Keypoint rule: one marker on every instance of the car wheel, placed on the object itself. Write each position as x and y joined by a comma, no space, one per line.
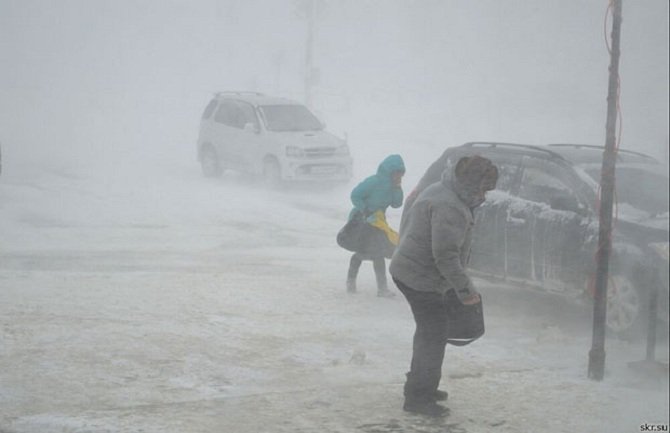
624,304
271,174
209,161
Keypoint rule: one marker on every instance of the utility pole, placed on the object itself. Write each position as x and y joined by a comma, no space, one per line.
597,354
278,62
309,56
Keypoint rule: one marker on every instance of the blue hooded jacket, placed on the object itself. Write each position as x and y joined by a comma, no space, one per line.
378,192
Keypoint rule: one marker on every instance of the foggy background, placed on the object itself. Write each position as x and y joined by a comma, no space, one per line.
138,296
121,84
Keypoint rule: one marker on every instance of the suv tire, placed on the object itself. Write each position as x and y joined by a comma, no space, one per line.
625,306
209,161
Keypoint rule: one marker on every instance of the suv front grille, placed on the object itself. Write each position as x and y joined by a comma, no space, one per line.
319,152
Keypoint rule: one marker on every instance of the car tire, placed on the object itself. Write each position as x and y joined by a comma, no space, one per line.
625,305
271,174
209,161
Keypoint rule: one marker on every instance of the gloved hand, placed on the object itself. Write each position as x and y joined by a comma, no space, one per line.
471,299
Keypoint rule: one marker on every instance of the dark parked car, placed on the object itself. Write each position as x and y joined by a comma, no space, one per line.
540,226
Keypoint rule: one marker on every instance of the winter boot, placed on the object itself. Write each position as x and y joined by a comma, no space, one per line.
440,395
425,407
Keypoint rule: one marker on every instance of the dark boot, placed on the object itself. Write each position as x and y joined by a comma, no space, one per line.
441,395
425,407
413,394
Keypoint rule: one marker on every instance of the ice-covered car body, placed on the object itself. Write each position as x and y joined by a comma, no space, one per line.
540,226
277,138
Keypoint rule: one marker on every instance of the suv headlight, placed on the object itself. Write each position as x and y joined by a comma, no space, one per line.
342,150
294,152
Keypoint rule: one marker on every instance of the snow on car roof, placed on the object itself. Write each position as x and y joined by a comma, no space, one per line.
256,98
585,154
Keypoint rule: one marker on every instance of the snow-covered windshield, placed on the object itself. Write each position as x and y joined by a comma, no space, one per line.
289,118
640,188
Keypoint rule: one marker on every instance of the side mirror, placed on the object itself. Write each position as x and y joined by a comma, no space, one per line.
250,127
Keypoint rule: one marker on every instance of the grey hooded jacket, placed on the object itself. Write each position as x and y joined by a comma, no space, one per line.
435,238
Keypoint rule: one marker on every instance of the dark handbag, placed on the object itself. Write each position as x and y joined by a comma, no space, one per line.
352,236
465,323
360,237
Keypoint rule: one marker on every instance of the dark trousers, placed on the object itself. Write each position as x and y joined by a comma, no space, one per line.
430,339
378,263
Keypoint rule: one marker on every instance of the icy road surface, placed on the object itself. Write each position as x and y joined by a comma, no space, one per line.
169,303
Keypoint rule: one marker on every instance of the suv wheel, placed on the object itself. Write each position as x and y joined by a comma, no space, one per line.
624,305
209,161
271,173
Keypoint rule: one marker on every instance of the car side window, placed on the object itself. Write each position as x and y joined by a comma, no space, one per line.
249,114
230,114
508,172
542,182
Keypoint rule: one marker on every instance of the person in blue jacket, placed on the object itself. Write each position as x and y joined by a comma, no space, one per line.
371,198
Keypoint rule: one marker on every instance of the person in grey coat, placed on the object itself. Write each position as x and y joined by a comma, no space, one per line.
430,260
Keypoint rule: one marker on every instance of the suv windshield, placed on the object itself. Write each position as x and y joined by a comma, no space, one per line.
639,188
289,118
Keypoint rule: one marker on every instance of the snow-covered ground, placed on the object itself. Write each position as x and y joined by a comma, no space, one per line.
163,302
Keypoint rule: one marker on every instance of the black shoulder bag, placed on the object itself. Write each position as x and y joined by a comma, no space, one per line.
360,237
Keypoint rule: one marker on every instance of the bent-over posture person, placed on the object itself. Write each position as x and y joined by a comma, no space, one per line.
430,260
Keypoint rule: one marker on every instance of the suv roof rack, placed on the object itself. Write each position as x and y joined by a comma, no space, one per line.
592,146
238,93
543,150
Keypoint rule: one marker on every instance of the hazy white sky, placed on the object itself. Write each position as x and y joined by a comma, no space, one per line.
86,80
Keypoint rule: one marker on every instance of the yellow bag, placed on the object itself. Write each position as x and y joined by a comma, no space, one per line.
378,219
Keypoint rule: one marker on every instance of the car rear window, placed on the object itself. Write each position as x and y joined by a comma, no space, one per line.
639,188
209,109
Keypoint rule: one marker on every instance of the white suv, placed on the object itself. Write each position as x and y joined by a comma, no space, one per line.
277,138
